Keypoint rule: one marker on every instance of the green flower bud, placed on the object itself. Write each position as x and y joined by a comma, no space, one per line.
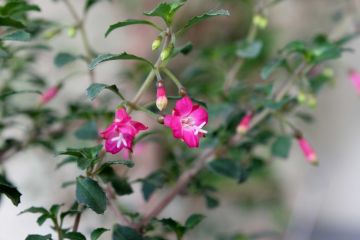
156,43
165,54
328,72
260,21
71,32
311,101
301,97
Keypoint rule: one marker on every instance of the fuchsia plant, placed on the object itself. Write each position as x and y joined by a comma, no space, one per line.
205,105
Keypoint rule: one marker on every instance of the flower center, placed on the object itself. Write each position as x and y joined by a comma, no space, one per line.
119,140
189,124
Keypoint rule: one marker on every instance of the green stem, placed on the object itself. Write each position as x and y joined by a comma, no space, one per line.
172,77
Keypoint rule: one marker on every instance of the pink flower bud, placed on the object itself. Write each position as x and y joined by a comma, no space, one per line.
308,151
161,99
355,78
244,124
49,94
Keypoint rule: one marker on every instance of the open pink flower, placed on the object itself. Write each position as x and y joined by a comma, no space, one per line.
244,124
49,94
121,132
187,121
308,151
355,78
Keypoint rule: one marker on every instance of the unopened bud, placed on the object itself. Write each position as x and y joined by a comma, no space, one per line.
244,124
311,101
260,21
71,32
166,53
301,97
156,43
161,99
161,120
182,92
307,150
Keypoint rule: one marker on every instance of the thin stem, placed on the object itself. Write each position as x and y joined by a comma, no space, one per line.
172,77
113,206
77,221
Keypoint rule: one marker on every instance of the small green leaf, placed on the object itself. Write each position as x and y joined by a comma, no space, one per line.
89,193
74,236
12,8
211,202
185,49
173,225
281,147
206,15
95,234
110,57
228,168
88,131
94,89
193,221
249,50
89,4
121,186
20,36
9,22
9,190
63,59
10,93
125,233
166,11
270,67
129,22
38,237
40,210
152,182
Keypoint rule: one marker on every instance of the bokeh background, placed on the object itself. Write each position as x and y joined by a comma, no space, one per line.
299,202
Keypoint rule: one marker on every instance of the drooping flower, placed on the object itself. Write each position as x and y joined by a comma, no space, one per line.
355,78
307,149
187,121
244,124
161,98
49,94
121,132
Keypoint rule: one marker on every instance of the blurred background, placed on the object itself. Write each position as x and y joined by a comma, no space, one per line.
296,202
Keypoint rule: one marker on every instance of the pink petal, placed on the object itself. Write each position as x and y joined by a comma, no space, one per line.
138,125
122,116
199,114
175,125
108,131
111,147
191,139
183,106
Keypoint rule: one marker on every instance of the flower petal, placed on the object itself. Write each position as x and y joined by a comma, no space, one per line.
138,125
121,116
183,106
191,139
199,114
174,123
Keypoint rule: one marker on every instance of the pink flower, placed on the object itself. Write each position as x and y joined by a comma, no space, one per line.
355,78
161,99
121,132
244,124
187,121
308,151
49,94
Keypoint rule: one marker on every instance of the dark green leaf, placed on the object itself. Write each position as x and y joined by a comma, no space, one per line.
74,236
97,233
89,4
193,221
127,163
94,90
176,227
270,67
63,59
152,182
38,237
211,202
40,210
166,11
89,193
228,168
129,22
17,7
9,22
206,15
125,233
121,186
9,190
110,57
20,36
185,49
281,147
88,131
249,50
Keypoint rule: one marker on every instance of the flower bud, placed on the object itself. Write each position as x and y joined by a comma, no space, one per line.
71,32
49,94
311,101
355,78
182,92
244,124
165,54
260,21
307,150
156,43
301,97
161,99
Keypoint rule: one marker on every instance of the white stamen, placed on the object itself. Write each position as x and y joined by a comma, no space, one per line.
199,129
119,140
